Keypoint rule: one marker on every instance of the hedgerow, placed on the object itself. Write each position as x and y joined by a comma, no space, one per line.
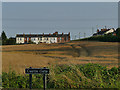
67,76
102,38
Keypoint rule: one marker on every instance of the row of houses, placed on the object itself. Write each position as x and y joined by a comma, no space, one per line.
55,37
42,38
105,31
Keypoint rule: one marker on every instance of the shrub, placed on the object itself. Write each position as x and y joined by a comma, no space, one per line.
103,38
67,76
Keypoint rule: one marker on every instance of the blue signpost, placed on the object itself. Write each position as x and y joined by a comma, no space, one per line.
31,71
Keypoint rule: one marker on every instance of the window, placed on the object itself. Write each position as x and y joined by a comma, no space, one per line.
40,38
60,38
20,38
47,38
65,38
44,38
27,39
33,39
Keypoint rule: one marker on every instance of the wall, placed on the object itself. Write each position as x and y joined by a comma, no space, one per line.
19,39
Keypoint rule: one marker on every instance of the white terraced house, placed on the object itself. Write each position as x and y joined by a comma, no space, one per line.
43,38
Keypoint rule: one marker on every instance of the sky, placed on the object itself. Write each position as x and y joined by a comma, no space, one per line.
60,0
48,17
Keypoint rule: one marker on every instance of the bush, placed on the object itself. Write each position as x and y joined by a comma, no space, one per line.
104,38
10,41
67,76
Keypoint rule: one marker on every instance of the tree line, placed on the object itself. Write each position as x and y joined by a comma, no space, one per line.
7,41
105,38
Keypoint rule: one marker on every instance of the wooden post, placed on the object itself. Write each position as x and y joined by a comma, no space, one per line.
31,71
44,81
30,82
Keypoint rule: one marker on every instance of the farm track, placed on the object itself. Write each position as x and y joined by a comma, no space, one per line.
56,57
81,51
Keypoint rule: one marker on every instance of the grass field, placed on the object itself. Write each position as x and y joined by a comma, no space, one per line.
19,57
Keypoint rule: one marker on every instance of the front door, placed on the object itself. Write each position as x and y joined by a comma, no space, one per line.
25,40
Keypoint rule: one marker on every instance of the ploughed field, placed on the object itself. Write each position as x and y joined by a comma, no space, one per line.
19,57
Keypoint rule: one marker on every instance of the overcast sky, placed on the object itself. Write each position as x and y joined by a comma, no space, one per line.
48,17
60,0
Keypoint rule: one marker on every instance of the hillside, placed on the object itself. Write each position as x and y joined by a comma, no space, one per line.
19,57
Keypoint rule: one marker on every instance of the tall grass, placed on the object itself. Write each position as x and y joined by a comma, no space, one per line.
67,76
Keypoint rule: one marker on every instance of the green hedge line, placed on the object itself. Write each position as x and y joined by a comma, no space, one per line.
104,38
67,76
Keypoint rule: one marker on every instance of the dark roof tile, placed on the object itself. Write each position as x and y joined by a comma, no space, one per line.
41,35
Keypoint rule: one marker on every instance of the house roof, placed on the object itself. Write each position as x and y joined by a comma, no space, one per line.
41,35
103,31
99,33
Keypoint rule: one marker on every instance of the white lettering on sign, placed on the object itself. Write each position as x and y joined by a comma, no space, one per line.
36,71
33,71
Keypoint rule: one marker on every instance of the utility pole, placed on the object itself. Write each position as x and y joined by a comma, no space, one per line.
72,37
97,26
75,37
79,35
92,30
105,27
84,35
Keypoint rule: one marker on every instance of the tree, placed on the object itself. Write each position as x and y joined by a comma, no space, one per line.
3,35
4,38
11,41
118,32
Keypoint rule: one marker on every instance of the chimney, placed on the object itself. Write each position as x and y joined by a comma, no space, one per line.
23,35
102,29
53,33
69,33
62,33
49,34
56,33
97,30
43,34
30,34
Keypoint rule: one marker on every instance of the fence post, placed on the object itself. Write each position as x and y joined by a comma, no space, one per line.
30,82
44,81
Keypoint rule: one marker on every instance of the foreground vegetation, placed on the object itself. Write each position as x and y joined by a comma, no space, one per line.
67,76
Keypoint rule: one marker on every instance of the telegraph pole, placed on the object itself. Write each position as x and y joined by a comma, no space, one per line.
79,35
97,26
72,37
92,30
84,35
105,27
75,37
